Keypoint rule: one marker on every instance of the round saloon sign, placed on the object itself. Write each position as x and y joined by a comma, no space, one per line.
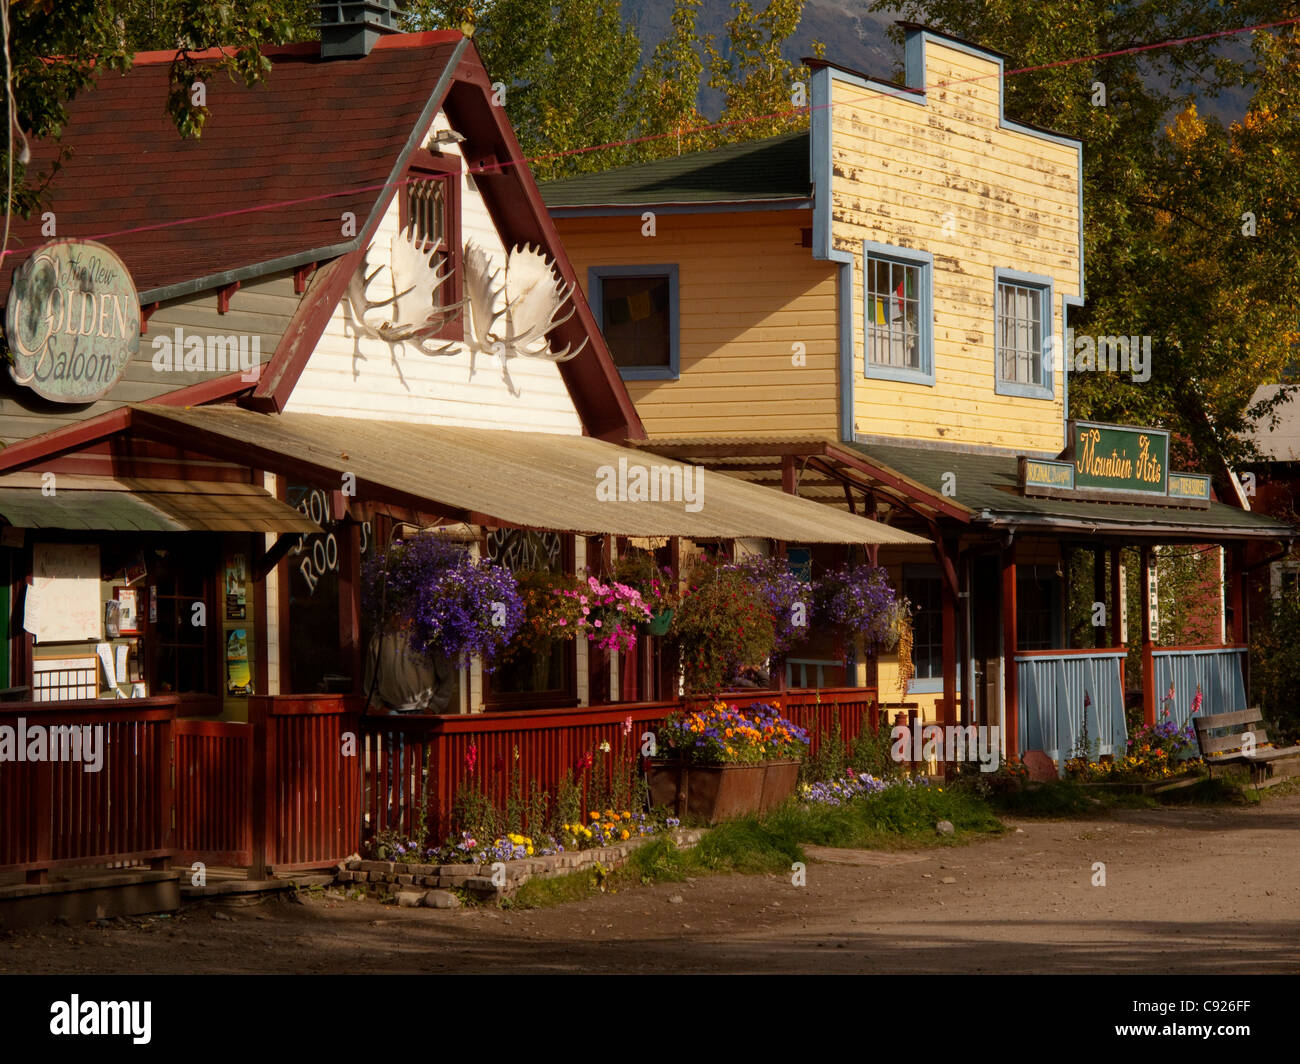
73,321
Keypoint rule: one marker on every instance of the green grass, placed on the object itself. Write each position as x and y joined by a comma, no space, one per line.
1065,799
1052,799
749,845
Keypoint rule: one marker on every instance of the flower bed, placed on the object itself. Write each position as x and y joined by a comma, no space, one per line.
426,884
604,829
727,735
723,761
1155,752
854,785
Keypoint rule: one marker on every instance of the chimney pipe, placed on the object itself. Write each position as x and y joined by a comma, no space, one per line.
350,28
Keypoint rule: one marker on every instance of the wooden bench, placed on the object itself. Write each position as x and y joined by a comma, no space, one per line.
1267,764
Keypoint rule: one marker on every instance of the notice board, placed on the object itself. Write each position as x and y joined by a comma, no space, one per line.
63,604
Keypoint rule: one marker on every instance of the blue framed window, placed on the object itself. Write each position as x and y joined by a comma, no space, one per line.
1022,330
898,294
636,308
923,588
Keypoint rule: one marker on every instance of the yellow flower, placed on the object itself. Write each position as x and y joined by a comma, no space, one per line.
623,834
595,816
626,815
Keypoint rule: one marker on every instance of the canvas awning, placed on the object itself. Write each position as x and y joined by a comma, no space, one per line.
28,500
493,476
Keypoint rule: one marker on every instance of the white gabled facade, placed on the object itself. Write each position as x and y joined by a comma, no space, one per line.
358,376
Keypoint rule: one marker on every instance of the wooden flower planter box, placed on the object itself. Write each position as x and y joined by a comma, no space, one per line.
713,793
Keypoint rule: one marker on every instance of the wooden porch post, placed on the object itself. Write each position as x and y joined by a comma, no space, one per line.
1117,608
348,534
263,804
1235,569
1009,639
943,554
1148,645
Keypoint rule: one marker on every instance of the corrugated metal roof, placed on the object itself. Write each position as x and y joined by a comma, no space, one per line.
986,482
527,479
124,505
773,168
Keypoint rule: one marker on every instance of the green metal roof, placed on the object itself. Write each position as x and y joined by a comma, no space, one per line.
989,485
774,168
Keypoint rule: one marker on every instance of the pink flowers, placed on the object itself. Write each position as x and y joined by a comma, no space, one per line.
1196,702
627,726
471,757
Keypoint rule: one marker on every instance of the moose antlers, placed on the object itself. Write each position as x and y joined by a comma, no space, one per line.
416,278
507,318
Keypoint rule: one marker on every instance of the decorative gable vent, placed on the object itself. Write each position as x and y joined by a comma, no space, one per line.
350,28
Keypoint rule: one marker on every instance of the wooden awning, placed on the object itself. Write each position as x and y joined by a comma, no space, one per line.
99,504
499,477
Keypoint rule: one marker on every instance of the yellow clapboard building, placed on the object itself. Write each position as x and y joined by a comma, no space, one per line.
873,312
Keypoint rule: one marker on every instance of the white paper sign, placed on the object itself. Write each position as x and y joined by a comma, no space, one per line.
63,603
105,652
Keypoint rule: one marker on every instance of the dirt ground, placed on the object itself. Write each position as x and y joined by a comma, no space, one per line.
1187,890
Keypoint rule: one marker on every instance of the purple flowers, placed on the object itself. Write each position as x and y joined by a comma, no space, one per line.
859,598
862,785
788,597
448,603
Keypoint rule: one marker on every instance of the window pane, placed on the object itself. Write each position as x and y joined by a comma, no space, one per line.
893,313
636,318
925,594
1020,335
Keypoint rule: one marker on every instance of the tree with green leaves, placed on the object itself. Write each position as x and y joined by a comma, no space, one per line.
1190,234
569,71
668,91
756,80
566,67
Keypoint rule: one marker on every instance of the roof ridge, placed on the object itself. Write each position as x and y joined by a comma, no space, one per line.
423,39
758,142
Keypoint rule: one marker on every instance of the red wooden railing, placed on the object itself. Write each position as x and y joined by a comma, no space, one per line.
213,763
279,792
285,791
407,755
306,781
56,813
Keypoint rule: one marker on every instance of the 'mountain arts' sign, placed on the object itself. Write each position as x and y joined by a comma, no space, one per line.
1113,458
73,321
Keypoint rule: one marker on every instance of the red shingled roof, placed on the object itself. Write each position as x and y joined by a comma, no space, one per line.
315,139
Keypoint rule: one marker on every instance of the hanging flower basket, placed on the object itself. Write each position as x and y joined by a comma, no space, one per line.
660,623
443,601
858,598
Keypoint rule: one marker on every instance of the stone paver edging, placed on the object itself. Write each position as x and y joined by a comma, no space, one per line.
430,885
